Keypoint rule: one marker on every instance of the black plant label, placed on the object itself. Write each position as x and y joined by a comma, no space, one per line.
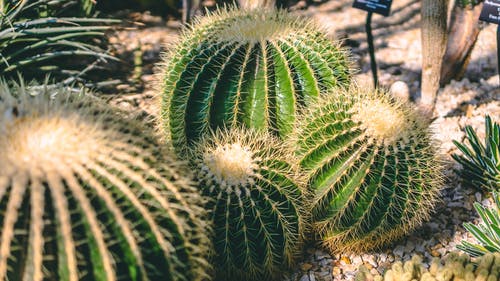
382,7
491,11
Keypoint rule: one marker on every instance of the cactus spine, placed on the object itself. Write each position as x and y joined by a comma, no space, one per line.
84,196
456,268
373,168
252,67
256,204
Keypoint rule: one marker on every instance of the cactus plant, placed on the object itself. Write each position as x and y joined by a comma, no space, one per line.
372,165
257,203
253,67
86,195
487,233
457,267
481,162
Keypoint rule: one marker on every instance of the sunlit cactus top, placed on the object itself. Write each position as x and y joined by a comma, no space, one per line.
86,195
256,67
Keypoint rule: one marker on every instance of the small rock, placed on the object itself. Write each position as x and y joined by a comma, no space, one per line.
306,266
400,90
478,196
409,246
399,251
356,259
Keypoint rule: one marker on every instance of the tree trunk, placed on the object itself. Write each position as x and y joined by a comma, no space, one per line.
434,34
464,30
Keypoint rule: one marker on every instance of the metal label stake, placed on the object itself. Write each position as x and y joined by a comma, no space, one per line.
491,14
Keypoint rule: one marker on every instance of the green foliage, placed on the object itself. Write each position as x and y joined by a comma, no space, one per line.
87,194
256,204
456,267
481,162
372,165
51,8
487,233
59,46
468,3
252,67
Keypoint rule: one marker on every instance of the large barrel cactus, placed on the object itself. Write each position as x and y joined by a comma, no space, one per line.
252,67
256,206
372,165
85,195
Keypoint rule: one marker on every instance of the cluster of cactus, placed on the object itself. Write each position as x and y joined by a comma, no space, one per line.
487,233
256,203
457,267
481,162
85,194
371,162
253,67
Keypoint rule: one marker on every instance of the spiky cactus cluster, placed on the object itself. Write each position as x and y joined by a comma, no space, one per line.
456,268
256,203
372,166
253,67
85,195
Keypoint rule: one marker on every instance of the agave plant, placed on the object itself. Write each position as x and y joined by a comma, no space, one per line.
481,162
37,45
487,233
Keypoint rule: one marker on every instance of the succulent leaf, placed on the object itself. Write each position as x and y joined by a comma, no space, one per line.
253,67
372,165
86,194
256,203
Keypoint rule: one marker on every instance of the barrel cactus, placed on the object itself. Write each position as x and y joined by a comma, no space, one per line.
372,164
252,67
455,267
85,195
256,203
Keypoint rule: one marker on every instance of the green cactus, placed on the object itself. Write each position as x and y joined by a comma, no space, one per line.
252,67
481,162
372,165
456,268
86,195
257,203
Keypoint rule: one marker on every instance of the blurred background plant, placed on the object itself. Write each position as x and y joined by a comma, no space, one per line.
38,37
481,161
487,233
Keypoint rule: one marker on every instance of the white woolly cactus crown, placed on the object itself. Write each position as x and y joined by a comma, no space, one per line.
86,193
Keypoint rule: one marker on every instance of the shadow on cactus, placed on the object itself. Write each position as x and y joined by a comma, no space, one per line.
372,165
252,67
85,195
456,267
487,233
256,203
481,162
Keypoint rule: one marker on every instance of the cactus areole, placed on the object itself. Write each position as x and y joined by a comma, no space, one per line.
372,165
251,67
84,195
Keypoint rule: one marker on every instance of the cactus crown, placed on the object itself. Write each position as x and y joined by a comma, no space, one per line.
86,197
256,203
374,179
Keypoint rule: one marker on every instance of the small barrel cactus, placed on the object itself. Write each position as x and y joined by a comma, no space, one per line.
256,203
456,268
253,67
85,195
372,165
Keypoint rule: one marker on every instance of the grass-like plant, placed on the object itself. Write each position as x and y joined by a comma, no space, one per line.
372,163
487,233
36,45
87,193
255,67
481,161
256,203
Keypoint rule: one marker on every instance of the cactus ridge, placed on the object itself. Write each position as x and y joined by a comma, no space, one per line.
374,179
256,203
223,73
84,197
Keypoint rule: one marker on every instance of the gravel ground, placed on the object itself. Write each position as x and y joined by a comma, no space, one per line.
397,40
